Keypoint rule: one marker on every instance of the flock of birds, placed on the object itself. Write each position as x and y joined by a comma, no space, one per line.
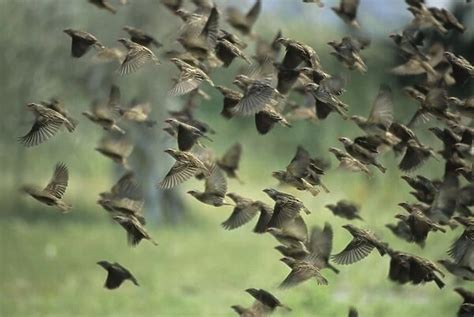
263,92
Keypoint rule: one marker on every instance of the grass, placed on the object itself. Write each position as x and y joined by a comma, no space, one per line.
48,265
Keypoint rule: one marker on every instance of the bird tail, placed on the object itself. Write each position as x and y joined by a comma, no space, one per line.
71,124
326,190
65,208
381,167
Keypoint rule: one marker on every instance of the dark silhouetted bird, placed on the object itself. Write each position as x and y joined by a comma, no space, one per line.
82,42
345,209
116,275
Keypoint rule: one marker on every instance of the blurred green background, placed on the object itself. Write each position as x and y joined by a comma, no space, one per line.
47,260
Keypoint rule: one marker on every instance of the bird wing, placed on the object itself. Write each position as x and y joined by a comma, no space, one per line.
178,173
211,28
300,163
349,7
355,251
58,183
187,136
187,82
41,131
114,280
382,109
216,182
136,58
256,97
283,214
253,13
320,241
240,216
412,159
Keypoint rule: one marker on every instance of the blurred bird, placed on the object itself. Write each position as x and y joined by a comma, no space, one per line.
103,114
141,37
345,209
464,272
137,56
353,312
244,23
264,305
231,99
267,118
297,53
230,160
82,42
118,149
54,191
320,247
190,78
48,120
317,2
363,242
415,155
186,166
462,69
245,210
138,112
287,207
347,11
116,275
104,4
347,52
227,52
326,98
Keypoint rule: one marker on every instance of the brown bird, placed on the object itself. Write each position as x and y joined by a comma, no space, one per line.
462,69
347,11
141,37
419,223
264,305
297,53
227,52
137,56
215,188
345,209
348,162
268,117
348,53
104,4
54,191
82,42
244,23
186,166
286,208
231,99
104,114
302,271
134,228
190,78
416,155
230,160
326,100
467,307
118,149
361,153
48,121
406,268
187,135
362,244
116,275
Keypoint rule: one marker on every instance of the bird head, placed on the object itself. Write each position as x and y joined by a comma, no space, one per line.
68,31
406,177
332,43
125,42
127,28
172,121
288,261
345,141
279,174
401,217
270,192
171,152
311,87
283,40
252,291
358,119
192,193
349,227
32,106
334,150
330,206
238,309
104,264
405,206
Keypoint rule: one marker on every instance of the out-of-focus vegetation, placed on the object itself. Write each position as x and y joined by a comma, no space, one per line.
47,265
